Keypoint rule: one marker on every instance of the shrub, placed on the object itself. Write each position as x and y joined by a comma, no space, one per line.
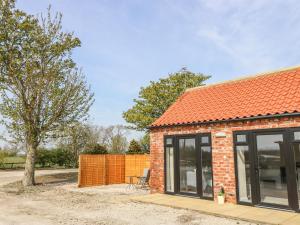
52,157
95,149
2,157
134,148
44,157
62,157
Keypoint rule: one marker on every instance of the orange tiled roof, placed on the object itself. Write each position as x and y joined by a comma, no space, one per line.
261,95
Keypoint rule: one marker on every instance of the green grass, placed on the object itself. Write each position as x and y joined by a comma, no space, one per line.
12,162
15,159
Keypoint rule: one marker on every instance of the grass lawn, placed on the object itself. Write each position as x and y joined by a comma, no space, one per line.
15,159
12,162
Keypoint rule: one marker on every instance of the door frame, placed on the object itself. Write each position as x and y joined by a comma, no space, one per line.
198,145
254,172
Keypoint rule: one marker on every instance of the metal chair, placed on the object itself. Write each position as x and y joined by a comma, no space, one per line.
143,181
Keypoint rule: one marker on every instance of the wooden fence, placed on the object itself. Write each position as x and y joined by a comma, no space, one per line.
135,165
97,170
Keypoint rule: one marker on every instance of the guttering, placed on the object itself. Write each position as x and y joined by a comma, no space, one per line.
226,120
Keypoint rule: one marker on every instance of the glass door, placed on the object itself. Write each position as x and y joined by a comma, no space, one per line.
267,164
187,165
271,169
296,154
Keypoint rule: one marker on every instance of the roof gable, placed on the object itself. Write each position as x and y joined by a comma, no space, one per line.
264,95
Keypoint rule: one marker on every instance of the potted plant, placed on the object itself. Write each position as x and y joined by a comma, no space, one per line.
221,196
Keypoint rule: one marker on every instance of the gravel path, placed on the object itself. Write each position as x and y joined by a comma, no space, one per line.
59,201
7,177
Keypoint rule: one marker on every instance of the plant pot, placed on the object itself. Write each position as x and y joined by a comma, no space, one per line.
221,199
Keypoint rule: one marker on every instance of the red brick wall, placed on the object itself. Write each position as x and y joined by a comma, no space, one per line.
222,150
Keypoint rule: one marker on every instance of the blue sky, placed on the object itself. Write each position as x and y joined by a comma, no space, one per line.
127,43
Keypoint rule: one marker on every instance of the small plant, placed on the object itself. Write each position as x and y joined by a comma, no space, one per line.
221,196
221,192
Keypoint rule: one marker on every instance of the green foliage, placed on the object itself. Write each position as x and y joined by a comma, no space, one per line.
145,143
62,158
221,192
158,96
14,159
95,149
45,157
54,157
134,148
2,157
41,87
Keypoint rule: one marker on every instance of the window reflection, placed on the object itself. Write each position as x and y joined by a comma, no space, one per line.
272,169
243,171
187,164
206,171
170,168
296,148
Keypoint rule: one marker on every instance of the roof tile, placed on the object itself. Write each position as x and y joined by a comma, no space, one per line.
268,94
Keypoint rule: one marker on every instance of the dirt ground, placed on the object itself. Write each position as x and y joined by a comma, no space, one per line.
57,200
9,176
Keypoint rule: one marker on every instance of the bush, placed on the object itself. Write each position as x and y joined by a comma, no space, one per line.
134,148
44,157
95,149
62,158
2,157
52,157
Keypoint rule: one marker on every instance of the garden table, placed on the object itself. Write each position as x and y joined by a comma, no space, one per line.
131,183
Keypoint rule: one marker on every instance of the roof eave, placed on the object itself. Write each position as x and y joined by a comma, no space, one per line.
225,121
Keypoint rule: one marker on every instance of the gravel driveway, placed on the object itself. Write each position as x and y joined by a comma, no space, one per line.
7,176
58,201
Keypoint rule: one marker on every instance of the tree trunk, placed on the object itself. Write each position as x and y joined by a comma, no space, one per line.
28,179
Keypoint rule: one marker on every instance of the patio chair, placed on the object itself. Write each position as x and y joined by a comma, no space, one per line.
143,181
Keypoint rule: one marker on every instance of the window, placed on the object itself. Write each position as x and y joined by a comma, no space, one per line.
243,167
169,141
206,166
169,164
243,172
241,138
205,140
170,169
297,136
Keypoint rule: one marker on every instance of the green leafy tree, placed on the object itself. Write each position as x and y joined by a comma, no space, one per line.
154,99
145,143
44,157
41,87
95,149
134,148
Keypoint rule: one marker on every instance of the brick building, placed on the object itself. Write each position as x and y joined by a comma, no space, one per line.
242,135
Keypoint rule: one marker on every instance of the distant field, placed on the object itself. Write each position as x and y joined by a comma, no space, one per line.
16,159
18,162
12,162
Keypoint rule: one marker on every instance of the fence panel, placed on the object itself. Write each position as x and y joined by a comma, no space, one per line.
92,170
115,169
135,165
110,169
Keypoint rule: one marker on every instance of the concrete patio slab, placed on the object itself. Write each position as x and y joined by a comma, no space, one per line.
232,211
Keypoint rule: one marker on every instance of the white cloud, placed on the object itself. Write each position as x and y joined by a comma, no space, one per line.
255,35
